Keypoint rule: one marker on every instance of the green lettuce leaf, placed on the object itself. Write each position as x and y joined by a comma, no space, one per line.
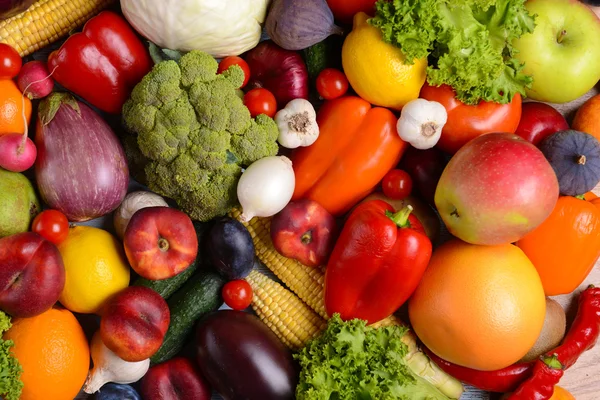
351,361
10,369
468,43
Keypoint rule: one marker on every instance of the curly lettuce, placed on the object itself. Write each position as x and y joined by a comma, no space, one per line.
468,43
352,361
10,369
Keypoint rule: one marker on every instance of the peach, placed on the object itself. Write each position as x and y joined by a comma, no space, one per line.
587,118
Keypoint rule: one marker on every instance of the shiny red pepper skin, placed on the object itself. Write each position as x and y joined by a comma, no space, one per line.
375,265
582,336
103,63
540,386
499,381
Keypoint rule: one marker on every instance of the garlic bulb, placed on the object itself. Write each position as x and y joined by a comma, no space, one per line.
421,123
297,124
108,367
133,202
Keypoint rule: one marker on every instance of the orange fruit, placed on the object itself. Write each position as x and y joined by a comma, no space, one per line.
481,307
11,106
54,353
587,118
561,394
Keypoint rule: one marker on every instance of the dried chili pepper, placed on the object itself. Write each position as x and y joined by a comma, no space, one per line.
581,337
547,372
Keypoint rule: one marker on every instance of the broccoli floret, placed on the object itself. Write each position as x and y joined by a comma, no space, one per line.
191,135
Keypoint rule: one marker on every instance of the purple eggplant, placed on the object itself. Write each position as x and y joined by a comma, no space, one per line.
243,359
81,169
8,8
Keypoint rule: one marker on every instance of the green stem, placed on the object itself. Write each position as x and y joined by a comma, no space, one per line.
580,197
552,361
401,217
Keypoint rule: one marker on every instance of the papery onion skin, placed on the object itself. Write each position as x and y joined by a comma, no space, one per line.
282,72
81,169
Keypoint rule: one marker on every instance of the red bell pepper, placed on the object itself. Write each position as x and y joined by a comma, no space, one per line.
376,263
103,63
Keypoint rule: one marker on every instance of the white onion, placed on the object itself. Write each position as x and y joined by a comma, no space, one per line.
266,187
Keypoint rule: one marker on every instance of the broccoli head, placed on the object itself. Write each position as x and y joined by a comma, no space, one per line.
191,134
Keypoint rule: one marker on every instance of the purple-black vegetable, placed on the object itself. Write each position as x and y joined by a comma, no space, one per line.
8,8
81,169
243,359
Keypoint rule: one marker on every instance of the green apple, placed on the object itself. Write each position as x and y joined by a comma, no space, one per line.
18,203
563,52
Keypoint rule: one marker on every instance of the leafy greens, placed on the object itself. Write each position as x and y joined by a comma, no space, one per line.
351,361
10,369
468,43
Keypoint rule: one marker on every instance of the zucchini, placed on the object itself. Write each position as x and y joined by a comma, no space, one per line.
200,295
166,287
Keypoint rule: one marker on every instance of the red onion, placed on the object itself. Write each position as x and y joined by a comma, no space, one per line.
282,72
81,169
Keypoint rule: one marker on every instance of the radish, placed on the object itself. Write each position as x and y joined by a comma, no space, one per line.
34,80
17,152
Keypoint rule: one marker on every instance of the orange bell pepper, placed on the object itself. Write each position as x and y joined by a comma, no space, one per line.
565,247
357,145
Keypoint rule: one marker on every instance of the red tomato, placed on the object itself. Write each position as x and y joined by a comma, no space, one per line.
331,84
344,10
10,62
466,122
234,60
52,225
260,101
237,294
397,184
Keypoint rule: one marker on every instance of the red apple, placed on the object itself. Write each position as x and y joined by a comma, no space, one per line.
32,274
304,231
496,188
134,323
174,380
160,242
538,121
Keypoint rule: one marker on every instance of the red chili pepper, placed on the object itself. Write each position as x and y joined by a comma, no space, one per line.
582,336
540,386
500,381
376,263
103,63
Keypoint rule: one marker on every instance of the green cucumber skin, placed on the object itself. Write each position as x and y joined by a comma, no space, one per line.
167,287
200,295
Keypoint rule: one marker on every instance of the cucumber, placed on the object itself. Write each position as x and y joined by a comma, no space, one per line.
200,295
166,287
316,59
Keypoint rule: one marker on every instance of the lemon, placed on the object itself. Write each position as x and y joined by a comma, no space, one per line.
95,269
376,69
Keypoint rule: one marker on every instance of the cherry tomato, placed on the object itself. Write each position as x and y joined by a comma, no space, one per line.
52,225
10,62
397,184
234,60
237,294
260,101
331,84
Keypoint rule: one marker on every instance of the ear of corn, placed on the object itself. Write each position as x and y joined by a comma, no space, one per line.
46,21
291,320
308,284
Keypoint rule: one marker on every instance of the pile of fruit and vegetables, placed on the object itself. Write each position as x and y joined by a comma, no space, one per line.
297,199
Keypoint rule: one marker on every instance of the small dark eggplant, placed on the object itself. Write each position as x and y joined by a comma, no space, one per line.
229,248
114,391
575,158
243,359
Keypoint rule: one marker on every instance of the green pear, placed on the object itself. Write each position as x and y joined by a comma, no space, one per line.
18,203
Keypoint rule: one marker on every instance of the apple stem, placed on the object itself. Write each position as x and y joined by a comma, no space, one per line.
401,217
306,238
561,36
581,160
163,244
